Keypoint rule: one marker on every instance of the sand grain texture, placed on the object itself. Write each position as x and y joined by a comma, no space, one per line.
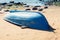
9,31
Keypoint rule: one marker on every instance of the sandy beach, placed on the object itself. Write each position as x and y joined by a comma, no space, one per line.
10,31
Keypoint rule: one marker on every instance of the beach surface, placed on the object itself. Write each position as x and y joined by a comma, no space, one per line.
10,31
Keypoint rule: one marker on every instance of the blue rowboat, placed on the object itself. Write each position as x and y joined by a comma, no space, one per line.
28,19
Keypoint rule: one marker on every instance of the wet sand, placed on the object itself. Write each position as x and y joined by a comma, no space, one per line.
10,31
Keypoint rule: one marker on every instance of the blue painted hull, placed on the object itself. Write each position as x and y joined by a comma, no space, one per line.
30,19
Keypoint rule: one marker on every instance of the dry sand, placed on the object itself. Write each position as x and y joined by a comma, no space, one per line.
9,31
